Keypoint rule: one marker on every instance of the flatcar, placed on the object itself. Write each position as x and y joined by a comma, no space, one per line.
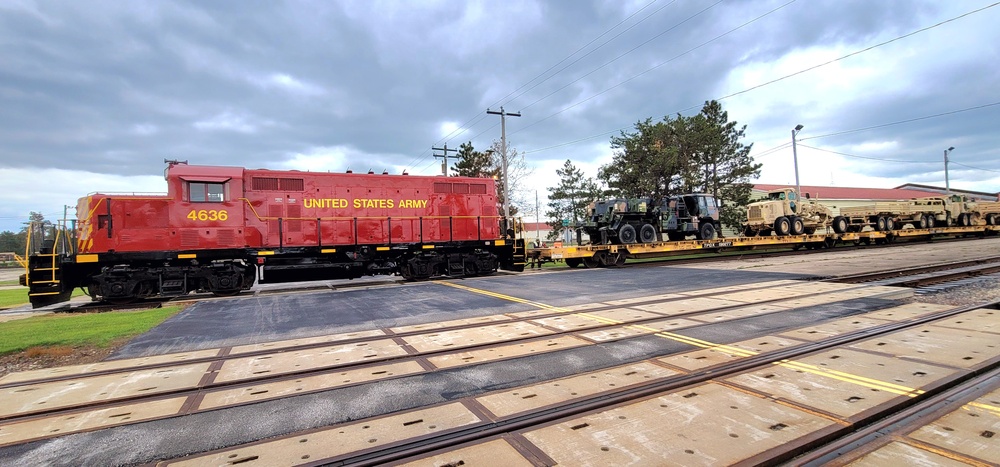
220,229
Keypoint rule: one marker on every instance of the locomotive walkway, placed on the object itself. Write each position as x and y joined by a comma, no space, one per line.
585,367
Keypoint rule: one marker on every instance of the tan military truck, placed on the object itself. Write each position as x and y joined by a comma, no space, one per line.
785,214
921,213
890,215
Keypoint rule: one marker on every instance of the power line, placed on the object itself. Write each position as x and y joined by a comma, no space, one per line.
595,49
901,121
689,18
971,167
649,69
748,89
895,160
475,119
863,157
857,52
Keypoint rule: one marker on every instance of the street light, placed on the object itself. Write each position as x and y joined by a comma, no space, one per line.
947,187
795,158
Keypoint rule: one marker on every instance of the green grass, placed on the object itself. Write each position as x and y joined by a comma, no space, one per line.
91,329
10,298
13,282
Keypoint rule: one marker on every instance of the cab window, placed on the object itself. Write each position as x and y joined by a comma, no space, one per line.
204,192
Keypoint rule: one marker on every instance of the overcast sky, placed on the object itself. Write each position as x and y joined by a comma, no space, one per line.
95,95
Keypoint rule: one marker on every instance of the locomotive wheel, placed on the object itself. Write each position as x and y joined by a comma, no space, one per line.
798,227
626,234
782,226
573,262
706,231
840,224
591,262
619,260
647,234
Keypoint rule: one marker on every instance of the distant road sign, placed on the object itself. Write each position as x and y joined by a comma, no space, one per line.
565,222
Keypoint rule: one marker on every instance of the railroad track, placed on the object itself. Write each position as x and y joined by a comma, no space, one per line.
601,323
921,276
611,399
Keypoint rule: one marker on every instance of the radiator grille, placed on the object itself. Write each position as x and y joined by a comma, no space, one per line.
189,238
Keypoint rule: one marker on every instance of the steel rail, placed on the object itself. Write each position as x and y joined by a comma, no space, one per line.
613,398
981,383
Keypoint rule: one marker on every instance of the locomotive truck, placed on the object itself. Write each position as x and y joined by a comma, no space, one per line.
626,221
218,229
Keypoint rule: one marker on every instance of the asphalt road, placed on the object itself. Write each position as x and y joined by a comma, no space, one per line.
251,320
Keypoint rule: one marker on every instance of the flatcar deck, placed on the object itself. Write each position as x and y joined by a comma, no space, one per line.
666,249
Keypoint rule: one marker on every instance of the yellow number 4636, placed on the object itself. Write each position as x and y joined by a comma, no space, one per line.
207,215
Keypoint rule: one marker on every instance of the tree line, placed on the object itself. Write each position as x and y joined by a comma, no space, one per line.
11,242
703,153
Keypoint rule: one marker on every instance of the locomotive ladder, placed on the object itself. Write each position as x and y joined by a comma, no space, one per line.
43,268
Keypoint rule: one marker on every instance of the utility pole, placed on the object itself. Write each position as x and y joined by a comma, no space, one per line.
503,147
444,165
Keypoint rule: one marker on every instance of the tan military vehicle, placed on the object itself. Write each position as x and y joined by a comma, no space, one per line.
785,214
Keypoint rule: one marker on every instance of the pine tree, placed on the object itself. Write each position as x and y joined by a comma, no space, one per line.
725,163
569,199
472,163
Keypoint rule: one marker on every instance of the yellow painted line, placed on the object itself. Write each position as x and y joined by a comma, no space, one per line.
328,250
428,247
382,248
44,293
86,258
980,405
500,242
265,253
187,256
504,297
838,375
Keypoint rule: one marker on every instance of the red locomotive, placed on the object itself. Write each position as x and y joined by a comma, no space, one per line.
220,228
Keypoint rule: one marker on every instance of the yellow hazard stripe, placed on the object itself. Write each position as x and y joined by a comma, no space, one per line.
187,256
265,253
798,366
328,250
86,258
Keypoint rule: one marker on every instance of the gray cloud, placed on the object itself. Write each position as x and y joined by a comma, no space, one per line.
114,88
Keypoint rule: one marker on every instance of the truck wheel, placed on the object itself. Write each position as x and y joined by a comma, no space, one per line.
880,224
931,221
798,228
647,234
626,234
706,231
922,224
889,224
840,224
782,226
991,219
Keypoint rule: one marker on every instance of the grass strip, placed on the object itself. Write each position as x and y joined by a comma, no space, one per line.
90,329
10,298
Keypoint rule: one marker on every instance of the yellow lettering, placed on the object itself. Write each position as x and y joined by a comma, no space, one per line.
357,203
310,203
